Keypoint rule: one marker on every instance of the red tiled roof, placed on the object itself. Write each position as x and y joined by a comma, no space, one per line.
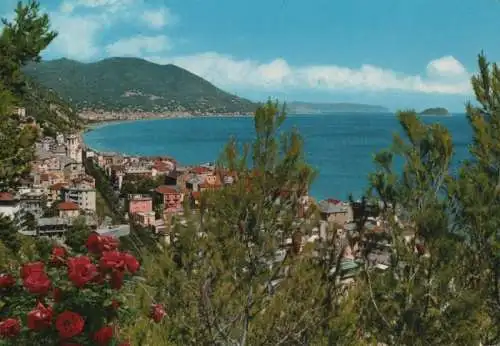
6,196
161,166
67,206
164,189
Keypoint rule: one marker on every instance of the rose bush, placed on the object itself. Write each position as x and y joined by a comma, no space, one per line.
72,299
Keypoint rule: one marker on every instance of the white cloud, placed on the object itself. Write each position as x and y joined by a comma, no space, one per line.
158,18
226,71
446,66
110,5
140,45
77,35
79,32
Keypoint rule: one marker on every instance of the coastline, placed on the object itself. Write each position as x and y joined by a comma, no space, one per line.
97,118
99,123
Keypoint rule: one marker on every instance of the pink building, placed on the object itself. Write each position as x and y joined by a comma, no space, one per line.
172,198
139,204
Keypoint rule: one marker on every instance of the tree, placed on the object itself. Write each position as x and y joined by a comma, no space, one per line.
22,41
476,196
227,278
422,292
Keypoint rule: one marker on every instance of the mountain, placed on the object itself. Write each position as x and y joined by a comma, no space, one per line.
131,84
435,111
321,108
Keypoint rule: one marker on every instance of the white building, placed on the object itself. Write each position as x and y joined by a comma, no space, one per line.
9,205
60,139
74,148
82,195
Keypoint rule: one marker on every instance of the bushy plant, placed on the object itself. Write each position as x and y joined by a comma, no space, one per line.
70,299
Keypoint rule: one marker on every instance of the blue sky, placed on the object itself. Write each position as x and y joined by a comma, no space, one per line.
397,53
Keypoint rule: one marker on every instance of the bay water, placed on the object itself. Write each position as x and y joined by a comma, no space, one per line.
339,146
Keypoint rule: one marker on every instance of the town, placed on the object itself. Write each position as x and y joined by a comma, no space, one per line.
62,188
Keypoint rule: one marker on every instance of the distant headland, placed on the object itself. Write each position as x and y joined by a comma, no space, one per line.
440,111
325,108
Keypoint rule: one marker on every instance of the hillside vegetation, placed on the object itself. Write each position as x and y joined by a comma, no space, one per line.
131,84
50,112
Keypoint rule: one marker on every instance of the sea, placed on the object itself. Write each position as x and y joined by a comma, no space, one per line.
339,146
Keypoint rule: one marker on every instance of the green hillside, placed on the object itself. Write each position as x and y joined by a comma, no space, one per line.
131,84
50,112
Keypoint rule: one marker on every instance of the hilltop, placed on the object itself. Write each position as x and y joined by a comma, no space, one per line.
435,111
320,108
132,84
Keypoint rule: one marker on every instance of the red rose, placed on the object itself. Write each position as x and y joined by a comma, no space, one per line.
97,243
7,280
40,317
113,260
117,279
69,324
157,312
93,243
81,270
131,262
29,268
57,256
9,328
37,283
103,336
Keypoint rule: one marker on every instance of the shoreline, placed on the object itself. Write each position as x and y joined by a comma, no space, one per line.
98,123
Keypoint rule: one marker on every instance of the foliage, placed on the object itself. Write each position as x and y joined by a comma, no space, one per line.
80,231
476,196
140,185
422,293
8,233
222,279
105,188
69,298
21,42
131,84
16,144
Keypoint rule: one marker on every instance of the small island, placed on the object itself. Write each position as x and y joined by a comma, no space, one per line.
439,111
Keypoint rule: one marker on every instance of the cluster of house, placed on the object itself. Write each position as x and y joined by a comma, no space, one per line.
178,185
57,190
182,185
